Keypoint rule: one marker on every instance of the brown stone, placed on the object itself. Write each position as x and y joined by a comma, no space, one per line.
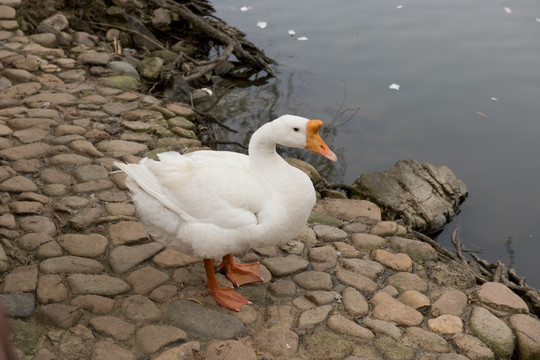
127,232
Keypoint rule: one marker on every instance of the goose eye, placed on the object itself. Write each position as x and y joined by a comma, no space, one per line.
296,129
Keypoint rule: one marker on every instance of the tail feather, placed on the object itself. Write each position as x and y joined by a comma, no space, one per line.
147,181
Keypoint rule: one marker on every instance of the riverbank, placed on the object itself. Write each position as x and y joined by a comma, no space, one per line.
83,280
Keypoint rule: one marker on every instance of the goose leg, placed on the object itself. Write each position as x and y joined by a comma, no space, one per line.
240,274
225,296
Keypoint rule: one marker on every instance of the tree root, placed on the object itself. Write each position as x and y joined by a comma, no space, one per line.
497,272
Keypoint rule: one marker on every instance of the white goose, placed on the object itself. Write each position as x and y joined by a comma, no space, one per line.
215,203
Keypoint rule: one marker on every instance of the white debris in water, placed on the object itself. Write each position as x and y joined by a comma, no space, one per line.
302,38
538,19
207,90
245,8
507,10
394,86
291,32
399,7
262,24
494,99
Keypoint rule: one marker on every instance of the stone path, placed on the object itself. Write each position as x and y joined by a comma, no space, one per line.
83,280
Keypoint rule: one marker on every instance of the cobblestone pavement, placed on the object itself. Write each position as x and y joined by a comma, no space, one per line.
83,280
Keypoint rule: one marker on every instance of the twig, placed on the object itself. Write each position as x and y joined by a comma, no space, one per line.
131,31
457,245
12,252
440,249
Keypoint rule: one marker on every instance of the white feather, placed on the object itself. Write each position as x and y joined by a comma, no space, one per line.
211,203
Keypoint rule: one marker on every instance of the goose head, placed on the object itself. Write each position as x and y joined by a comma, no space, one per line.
299,132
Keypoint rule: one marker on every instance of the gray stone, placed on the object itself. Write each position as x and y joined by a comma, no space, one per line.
18,76
105,285
451,302
18,305
94,58
94,303
399,262
106,350
367,241
342,325
323,257
310,318
383,327
473,347
320,297
416,300
357,281
191,317
393,350
388,228
123,258
279,342
151,338
329,233
282,266
416,249
51,289
350,210
125,232
446,324
314,280
91,245
146,279
118,108
500,299
424,195
113,327
428,341
21,279
354,302
282,287
70,264
119,148
18,184
85,218
124,68
229,349
404,281
389,309
527,330
493,331
368,268
90,172
139,308
60,315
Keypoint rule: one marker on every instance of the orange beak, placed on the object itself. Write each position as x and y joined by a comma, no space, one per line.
314,143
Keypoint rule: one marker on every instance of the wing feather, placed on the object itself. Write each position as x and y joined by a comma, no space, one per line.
207,187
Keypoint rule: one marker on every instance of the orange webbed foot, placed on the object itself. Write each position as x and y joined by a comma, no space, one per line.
224,296
229,298
240,274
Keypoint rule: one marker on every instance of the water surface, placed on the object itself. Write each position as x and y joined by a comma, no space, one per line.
469,98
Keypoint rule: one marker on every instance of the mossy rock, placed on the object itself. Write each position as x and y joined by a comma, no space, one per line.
180,121
150,68
122,82
319,218
188,134
327,345
25,336
393,350
167,56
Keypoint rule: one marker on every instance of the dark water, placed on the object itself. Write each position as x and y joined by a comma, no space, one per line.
469,98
